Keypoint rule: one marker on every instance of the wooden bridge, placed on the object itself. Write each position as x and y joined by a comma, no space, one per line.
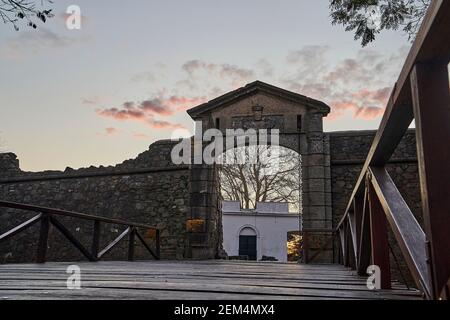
198,280
421,94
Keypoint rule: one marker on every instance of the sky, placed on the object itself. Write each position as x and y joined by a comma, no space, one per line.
104,93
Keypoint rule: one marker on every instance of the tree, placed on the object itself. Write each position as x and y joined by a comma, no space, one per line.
294,246
16,11
258,174
367,18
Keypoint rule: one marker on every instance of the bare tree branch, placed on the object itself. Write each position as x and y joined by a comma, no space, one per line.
261,180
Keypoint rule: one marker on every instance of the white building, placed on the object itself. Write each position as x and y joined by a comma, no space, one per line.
259,232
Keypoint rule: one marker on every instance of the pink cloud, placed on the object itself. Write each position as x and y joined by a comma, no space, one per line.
184,103
369,113
339,108
146,111
358,85
123,114
111,131
379,96
158,124
141,136
156,106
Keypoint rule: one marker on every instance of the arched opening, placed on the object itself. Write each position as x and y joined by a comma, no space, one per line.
254,174
260,186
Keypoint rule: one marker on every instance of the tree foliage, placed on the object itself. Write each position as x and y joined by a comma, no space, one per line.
294,246
260,174
355,16
18,12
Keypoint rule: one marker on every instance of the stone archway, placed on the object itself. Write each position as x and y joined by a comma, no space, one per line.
258,105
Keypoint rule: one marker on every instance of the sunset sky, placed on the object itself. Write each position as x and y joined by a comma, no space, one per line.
103,94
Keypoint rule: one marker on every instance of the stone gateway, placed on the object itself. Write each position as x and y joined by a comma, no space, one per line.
182,200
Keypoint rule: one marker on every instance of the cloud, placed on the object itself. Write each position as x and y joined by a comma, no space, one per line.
34,41
236,75
147,110
308,55
340,108
183,103
358,85
161,124
369,113
308,62
265,68
138,116
40,38
156,106
94,100
122,114
378,96
111,131
138,135
363,104
144,76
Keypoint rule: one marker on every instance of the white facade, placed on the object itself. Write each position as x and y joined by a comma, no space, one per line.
269,222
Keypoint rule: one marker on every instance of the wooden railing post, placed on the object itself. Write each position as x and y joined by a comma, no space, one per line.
346,244
431,103
356,222
96,239
379,236
351,259
343,244
131,242
43,239
365,245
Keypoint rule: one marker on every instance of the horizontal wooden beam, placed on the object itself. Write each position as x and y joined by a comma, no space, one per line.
20,206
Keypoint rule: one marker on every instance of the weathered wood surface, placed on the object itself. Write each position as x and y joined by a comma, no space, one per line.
222,280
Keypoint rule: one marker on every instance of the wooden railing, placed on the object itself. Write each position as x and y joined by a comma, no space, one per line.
47,217
421,94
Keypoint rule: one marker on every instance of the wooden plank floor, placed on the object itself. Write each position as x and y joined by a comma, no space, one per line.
223,280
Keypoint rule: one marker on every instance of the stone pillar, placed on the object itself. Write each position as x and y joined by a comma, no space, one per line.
203,219
317,188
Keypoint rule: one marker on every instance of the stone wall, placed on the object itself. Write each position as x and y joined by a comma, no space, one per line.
148,189
180,200
348,152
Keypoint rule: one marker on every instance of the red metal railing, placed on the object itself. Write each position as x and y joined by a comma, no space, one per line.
421,94
47,217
